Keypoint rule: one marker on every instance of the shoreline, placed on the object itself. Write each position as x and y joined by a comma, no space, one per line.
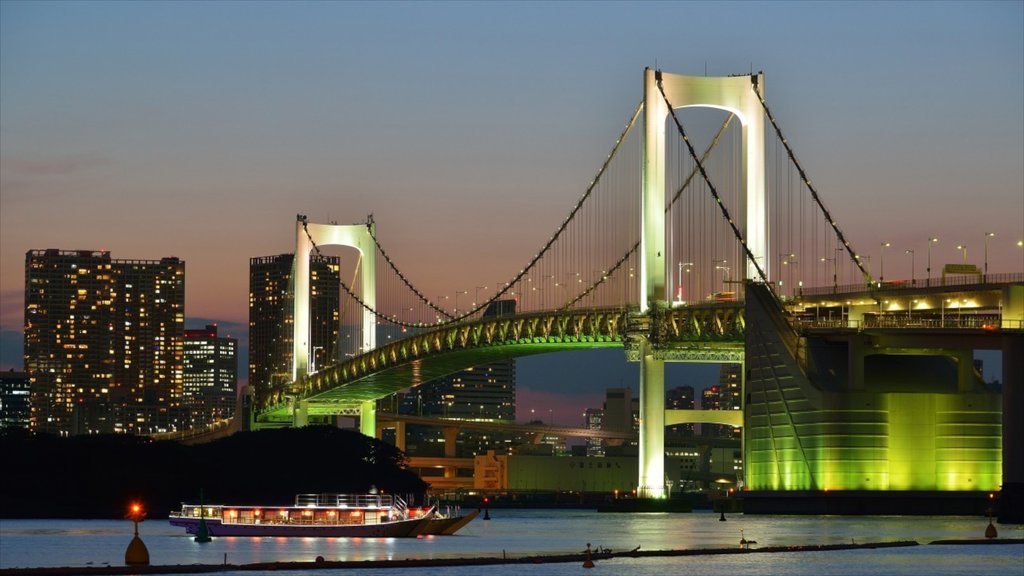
475,561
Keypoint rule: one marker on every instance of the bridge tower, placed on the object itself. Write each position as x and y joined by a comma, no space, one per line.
734,94
360,237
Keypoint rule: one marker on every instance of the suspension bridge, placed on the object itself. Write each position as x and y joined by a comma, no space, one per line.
724,253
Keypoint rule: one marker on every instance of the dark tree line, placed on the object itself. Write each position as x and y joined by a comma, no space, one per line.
98,476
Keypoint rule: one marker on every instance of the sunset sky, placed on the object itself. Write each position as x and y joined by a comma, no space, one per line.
199,130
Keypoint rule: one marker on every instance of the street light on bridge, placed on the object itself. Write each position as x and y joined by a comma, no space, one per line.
835,280
987,236
963,248
928,281
881,261
457,294
476,296
912,279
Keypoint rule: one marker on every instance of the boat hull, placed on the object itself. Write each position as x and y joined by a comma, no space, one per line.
449,526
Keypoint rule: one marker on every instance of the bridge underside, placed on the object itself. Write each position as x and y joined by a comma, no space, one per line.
346,399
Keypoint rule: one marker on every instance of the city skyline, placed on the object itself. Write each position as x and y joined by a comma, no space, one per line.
199,131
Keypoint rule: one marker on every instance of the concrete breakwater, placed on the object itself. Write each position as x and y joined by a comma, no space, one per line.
505,558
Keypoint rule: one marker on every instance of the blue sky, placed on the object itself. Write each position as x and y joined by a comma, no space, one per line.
198,129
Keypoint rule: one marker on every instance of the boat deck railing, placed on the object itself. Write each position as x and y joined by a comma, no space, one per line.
385,501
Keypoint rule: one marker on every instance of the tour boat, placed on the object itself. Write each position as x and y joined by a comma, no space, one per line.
332,515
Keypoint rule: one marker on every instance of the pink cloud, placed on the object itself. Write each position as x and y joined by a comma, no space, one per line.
54,165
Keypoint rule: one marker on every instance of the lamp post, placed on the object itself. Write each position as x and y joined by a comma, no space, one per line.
881,261
963,248
723,266
476,296
987,236
457,294
835,281
784,260
725,276
928,280
912,279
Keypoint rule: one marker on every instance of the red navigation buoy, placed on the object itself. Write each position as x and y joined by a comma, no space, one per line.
137,554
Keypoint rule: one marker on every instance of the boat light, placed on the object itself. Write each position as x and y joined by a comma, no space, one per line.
257,512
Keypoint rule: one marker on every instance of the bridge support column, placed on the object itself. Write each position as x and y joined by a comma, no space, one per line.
652,425
450,434
368,418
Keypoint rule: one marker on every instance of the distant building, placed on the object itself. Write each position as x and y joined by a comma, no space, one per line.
621,414
210,375
270,319
103,342
594,418
15,410
730,394
486,392
679,398
618,410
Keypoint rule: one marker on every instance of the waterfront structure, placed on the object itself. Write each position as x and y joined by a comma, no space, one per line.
210,375
271,313
103,342
692,467
15,410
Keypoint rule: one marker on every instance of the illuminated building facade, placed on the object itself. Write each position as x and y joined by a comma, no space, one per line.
15,410
211,375
103,342
271,316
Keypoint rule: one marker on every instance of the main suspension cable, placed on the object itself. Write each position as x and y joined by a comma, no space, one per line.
807,181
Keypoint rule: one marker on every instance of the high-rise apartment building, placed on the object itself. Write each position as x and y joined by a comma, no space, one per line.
270,319
210,375
15,410
103,342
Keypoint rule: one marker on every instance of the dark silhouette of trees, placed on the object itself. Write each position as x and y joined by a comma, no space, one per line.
98,476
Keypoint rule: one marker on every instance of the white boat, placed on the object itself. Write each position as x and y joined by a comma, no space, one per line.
333,515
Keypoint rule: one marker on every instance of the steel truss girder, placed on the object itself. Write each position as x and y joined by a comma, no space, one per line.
700,333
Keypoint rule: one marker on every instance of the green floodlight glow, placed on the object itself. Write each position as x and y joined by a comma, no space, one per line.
908,441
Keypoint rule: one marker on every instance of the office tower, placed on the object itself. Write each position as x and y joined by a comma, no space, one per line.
270,319
103,342
14,399
210,375
593,418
